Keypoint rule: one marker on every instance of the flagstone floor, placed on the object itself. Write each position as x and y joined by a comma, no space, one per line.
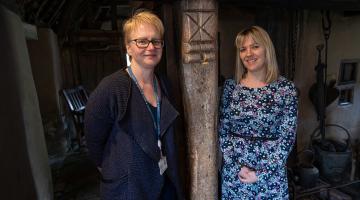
74,176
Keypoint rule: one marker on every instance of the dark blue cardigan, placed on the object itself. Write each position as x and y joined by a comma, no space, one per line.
121,139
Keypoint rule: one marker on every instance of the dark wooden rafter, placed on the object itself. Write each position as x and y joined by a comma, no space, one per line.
54,17
41,8
40,12
97,38
296,4
13,5
65,13
113,11
71,18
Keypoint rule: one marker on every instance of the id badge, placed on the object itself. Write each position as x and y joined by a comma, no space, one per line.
162,164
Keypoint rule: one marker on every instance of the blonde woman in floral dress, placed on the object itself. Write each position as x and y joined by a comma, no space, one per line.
257,128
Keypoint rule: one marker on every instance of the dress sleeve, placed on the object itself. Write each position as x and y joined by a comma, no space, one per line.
98,122
287,136
226,144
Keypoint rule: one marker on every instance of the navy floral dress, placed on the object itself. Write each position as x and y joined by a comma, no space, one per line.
257,129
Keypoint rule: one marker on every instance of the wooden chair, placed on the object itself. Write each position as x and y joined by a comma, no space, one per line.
76,99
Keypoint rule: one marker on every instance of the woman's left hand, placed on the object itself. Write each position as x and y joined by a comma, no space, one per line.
247,175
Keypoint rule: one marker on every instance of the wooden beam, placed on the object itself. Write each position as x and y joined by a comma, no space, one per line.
295,4
199,75
113,11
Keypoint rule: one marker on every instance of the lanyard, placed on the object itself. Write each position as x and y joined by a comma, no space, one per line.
157,121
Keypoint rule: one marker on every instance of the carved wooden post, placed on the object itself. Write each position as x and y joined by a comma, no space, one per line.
199,74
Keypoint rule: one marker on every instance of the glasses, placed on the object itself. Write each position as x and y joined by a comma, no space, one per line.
144,43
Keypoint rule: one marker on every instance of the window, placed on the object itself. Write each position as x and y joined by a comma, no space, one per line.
348,72
347,81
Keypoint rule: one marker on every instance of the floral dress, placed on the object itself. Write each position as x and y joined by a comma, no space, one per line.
257,129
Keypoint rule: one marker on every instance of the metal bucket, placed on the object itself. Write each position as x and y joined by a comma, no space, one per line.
333,166
333,158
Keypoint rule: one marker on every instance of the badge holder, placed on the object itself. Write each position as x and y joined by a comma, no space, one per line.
162,162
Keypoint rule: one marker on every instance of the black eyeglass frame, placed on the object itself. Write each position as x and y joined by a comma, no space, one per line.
148,43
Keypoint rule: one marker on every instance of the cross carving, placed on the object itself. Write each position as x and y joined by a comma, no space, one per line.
198,22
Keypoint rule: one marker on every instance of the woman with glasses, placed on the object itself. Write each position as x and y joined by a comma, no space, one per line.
129,121
257,128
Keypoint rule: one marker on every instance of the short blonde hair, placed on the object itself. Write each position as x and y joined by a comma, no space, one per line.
143,17
261,37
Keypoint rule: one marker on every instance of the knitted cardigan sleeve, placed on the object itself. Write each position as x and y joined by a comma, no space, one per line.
106,105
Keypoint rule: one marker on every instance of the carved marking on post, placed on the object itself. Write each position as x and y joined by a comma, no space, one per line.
200,28
199,45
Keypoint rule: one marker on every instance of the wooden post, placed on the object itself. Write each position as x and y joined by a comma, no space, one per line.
199,85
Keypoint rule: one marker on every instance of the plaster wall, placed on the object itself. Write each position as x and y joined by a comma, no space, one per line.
46,68
343,44
24,169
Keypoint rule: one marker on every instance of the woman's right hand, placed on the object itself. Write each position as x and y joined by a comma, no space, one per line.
247,175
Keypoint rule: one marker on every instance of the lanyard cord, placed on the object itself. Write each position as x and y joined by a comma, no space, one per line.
157,121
